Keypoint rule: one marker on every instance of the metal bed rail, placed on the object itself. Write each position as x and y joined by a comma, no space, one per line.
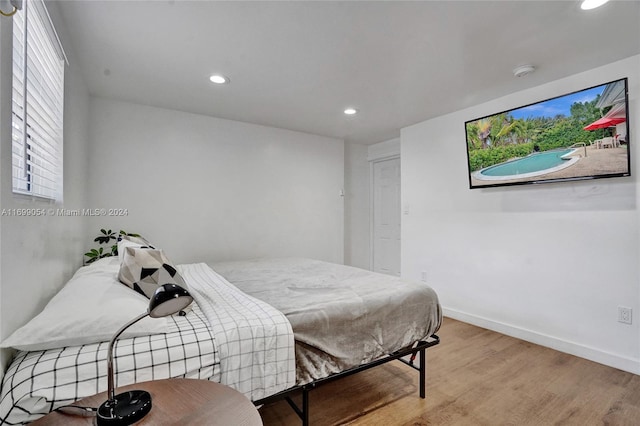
419,348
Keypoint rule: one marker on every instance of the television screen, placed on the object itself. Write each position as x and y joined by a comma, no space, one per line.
580,135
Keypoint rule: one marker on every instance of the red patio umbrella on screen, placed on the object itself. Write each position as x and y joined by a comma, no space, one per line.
605,122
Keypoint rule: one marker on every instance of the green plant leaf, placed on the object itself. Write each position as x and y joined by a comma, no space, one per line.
107,235
128,234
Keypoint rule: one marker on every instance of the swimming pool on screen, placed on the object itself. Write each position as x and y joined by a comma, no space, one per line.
536,164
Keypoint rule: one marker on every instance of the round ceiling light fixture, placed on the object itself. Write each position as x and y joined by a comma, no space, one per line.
350,111
523,70
219,79
592,4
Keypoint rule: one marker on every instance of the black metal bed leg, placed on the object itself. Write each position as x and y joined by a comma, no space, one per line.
423,370
305,407
303,412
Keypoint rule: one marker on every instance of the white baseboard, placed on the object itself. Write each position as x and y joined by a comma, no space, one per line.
598,355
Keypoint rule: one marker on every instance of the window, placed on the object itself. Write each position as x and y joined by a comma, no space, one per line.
38,103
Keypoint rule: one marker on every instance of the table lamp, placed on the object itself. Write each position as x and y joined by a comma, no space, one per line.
129,407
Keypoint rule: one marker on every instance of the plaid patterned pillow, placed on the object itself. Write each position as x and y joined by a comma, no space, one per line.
145,269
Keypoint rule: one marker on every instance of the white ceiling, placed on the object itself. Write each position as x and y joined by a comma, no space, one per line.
297,65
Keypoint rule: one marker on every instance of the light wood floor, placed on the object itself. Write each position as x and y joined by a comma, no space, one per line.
476,377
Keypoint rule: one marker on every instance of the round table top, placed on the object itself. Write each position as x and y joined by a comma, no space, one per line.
175,401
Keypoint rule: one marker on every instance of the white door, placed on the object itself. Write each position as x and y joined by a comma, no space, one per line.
386,216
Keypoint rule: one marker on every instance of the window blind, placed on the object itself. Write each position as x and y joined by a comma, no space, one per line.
37,103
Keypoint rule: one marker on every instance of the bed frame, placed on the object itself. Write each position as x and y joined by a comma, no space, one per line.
419,347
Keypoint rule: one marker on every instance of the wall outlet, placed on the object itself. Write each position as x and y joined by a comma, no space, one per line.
624,314
423,276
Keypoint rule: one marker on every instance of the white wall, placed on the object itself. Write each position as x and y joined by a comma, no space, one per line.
357,232
547,263
208,189
358,175
39,254
384,150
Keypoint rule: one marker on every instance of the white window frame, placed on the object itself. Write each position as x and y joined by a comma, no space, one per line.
37,104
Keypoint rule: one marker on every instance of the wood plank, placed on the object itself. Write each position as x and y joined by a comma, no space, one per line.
476,377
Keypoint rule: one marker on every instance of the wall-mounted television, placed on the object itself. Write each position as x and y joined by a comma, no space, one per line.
579,135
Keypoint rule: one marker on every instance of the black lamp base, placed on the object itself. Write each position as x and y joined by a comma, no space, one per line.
127,408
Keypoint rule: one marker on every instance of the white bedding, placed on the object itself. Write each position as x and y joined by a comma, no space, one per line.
90,308
227,337
341,316
38,382
255,341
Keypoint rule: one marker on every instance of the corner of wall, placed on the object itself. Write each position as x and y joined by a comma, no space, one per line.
382,150
356,197
4,135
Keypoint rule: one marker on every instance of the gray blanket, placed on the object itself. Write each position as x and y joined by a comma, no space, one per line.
341,316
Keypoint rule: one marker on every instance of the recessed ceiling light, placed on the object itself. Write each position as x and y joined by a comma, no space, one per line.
350,111
592,4
523,70
219,79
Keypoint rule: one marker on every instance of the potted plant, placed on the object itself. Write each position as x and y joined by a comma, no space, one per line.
106,237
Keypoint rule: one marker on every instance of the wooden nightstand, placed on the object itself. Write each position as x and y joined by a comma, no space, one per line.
176,401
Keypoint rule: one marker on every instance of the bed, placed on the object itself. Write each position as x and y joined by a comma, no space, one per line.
344,319
265,327
341,316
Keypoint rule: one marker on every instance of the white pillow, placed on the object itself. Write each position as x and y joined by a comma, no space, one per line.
90,308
